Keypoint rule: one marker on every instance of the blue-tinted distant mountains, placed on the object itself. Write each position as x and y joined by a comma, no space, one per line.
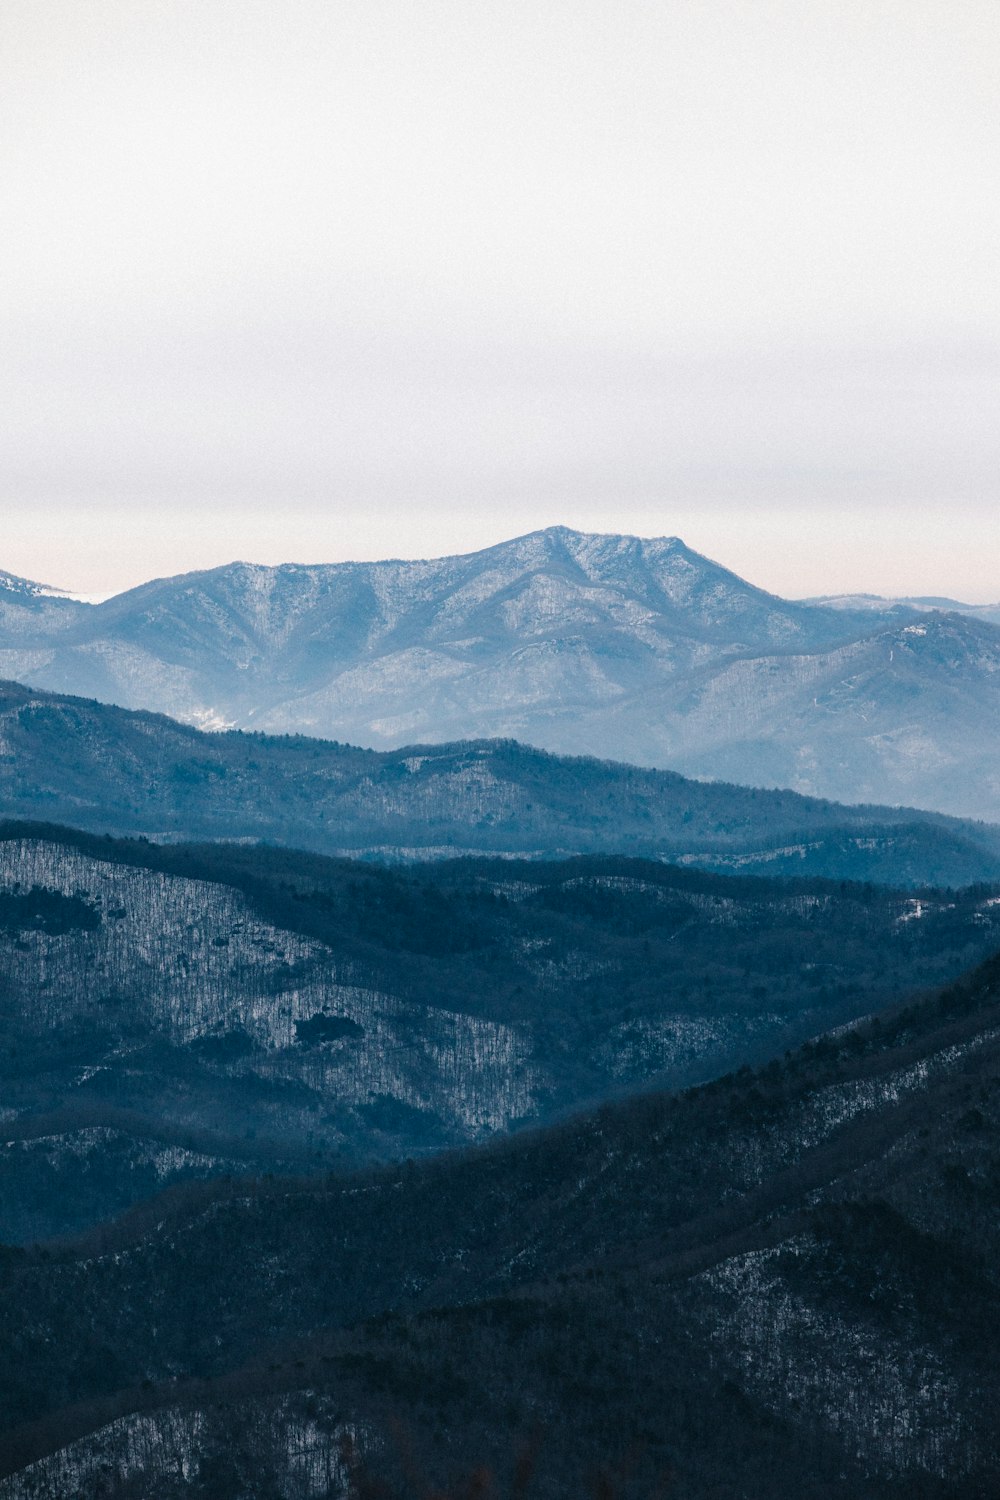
921,602
109,770
605,645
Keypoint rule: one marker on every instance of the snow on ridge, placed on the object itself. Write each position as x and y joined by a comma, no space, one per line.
170,1444
26,588
788,1347
196,962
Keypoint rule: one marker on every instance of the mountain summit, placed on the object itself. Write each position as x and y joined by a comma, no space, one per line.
579,643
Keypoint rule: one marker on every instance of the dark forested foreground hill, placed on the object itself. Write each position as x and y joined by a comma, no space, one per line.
109,770
190,1011
780,1284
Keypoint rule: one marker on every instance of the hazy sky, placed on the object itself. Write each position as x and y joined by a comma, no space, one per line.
308,280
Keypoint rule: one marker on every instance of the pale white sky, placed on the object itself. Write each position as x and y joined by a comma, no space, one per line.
308,280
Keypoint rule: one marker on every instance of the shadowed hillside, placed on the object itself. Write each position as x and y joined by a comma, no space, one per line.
189,1011
782,1283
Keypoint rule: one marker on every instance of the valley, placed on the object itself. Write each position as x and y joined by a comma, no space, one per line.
202,1011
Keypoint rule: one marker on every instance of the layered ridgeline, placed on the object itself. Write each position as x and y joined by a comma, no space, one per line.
923,604
110,770
200,1011
783,1284
600,645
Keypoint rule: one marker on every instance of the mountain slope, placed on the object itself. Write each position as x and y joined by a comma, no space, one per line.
914,708
108,770
196,1011
603,645
534,623
781,1284
36,612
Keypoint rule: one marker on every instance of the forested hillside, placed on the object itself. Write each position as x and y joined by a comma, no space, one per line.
107,770
780,1283
191,1011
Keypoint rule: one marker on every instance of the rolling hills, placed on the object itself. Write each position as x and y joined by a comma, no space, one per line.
779,1284
197,1011
108,770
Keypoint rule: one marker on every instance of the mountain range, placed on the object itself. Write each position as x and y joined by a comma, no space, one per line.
611,646
117,771
453,1044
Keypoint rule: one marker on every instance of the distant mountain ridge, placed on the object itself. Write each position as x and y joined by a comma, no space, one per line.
880,604
611,646
111,770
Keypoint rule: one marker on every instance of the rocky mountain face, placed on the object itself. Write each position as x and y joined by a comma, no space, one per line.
191,1012
581,644
782,1284
111,770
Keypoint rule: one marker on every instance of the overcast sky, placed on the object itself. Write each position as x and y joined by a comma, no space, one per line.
308,280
